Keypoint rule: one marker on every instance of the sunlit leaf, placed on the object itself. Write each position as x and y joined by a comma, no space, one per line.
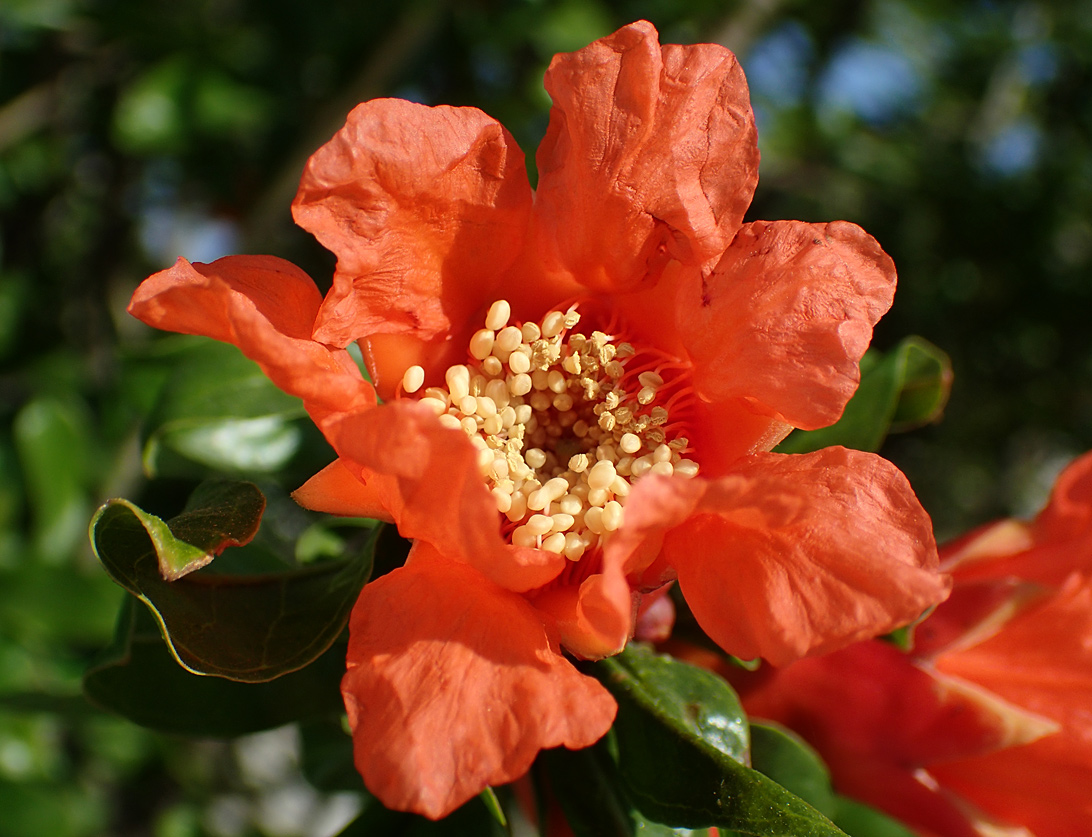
900,390
247,627
859,820
787,759
682,743
139,679
219,409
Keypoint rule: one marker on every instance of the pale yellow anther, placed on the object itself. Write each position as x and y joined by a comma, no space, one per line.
540,379
662,469
508,417
593,519
570,504
601,474
493,425
563,522
481,344
574,546
518,508
680,443
646,396
598,496
467,405
580,428
539,524
606,452
523,414
519,362
662,454
623,465
607,421
554,543
686,468
555,381
469,425
531,332
440,394
492,366
563,402
519,385
522,536
448,420
485,406
625,350
629,443
641,466
578,463
620,486
508,339
612,516
614,369
571,318
499,313
458,382
503,500
500,467
658,416
571,364
541,401
553,324
413,379
485,462
650,379
535,457
435,404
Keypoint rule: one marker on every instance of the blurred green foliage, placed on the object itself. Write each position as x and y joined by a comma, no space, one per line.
132,132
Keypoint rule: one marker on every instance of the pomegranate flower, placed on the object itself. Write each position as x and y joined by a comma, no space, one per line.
986,728
581,386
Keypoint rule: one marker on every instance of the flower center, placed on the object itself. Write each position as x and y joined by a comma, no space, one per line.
564,423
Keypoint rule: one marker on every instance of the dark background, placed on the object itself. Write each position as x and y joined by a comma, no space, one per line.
134,131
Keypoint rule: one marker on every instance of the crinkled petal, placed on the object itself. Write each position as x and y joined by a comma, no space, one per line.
455,684
650,154
267,307
426,476
335,490
799,554
785,316
425,208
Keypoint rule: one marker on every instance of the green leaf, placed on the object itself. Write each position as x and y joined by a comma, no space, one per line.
220,410
248,627
138,679
859,820
682,743
787,759
903,389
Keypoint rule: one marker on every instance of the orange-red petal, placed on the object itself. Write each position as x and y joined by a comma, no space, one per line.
650,154
425,208
595,616
426,475
267,307
335,490
785,316
799,554
455,684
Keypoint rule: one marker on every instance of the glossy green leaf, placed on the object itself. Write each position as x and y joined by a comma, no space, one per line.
682,743
900,390
860,820
220,410
787,759
246,627
138,678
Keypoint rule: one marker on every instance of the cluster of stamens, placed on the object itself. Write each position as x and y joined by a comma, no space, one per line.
563,422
